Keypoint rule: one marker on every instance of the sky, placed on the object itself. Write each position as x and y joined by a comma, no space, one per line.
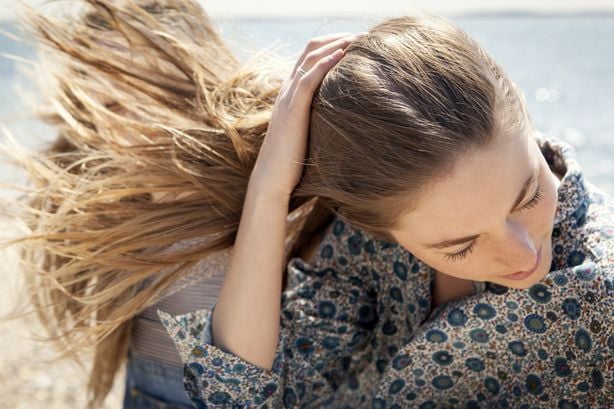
306,8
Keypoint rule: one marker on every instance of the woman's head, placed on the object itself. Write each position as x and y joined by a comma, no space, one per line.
418,136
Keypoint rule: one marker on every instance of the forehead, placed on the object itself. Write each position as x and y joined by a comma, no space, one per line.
482,183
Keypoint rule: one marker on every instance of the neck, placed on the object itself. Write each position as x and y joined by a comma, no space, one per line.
448,288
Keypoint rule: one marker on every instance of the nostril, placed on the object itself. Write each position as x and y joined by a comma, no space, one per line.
522,274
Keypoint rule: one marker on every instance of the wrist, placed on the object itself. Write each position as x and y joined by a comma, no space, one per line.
258,187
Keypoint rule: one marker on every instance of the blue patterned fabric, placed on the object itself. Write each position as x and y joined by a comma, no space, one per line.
358,330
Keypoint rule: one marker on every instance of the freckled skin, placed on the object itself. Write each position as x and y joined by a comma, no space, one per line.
476,198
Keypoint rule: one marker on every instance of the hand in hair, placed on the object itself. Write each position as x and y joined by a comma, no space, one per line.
246,317
280,160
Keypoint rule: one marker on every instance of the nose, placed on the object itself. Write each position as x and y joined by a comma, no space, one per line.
518,251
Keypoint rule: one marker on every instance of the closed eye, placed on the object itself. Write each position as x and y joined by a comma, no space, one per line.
460,254
535,199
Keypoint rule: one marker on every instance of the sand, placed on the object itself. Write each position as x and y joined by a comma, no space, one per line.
27,379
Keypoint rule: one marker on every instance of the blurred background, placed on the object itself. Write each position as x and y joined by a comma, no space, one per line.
560,53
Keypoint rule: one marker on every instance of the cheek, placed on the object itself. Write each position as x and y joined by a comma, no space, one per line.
550,183
550,201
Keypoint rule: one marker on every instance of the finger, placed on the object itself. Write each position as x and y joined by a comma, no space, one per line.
317,42
305,86
316,55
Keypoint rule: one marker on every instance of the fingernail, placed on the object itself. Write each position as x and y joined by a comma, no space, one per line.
364,33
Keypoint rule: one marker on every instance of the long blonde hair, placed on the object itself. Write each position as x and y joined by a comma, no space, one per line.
147,98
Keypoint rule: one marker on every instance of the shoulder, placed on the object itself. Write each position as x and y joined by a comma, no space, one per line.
341,253
584,219
349,257
347,249
590,227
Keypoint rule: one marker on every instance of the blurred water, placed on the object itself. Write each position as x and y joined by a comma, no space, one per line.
563,64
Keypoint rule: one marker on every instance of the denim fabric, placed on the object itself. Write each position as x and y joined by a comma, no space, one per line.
153,385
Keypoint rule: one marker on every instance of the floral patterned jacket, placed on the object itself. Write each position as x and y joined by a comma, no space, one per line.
358,330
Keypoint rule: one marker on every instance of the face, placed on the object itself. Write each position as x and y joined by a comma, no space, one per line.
490,218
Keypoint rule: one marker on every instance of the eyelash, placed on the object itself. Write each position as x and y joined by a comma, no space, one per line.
469,249
535,200
461,254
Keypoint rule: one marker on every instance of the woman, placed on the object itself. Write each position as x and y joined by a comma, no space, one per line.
424,149
157,104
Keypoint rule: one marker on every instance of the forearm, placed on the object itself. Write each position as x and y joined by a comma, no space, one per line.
247,315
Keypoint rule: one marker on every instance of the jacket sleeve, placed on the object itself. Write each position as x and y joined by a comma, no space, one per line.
546,345
326,318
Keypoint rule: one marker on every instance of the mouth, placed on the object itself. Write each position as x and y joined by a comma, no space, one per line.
521,275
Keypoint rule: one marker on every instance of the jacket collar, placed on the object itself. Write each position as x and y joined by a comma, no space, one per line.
573,192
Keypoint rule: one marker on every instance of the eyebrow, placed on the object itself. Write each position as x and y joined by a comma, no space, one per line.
453,242
461,240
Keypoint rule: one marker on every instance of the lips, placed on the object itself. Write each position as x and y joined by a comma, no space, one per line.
521,275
